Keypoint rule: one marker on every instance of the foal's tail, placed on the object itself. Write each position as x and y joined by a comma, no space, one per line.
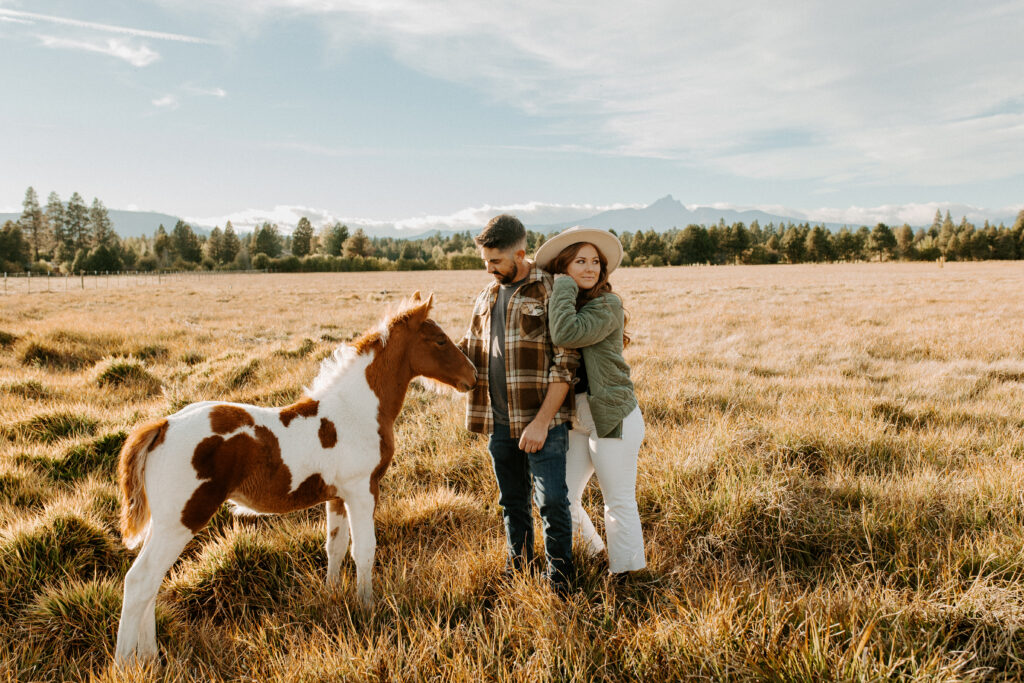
131,467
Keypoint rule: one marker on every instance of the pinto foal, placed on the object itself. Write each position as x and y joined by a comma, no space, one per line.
330,447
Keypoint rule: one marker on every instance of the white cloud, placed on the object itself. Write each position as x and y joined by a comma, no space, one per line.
542,213
136,55
838,93
912,214
166,102
531,213
212,92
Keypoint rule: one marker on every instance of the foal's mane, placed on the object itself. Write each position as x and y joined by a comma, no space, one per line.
334,366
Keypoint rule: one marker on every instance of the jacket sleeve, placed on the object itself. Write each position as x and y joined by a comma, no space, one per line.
576,329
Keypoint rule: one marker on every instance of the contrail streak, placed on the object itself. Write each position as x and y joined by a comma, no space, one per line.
139,33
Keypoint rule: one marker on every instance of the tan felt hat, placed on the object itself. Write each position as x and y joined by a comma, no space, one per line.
607,243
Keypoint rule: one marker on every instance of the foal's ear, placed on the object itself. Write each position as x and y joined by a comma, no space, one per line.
423,306
416,295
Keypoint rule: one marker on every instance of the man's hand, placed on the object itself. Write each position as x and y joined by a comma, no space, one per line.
536,433
534,436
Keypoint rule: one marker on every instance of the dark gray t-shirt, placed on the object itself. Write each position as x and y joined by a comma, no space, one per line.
497,385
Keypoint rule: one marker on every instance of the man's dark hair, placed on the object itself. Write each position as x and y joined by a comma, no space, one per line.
502,232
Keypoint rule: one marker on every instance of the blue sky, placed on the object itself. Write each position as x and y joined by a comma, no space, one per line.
423,113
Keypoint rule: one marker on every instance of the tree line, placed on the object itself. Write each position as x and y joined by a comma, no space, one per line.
72,237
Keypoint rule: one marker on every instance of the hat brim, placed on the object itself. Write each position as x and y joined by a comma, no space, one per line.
607,243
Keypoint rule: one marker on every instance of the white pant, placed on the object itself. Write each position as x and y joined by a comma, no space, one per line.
614,460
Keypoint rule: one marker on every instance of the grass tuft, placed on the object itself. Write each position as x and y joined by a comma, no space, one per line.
192,358
53,547
127,374
23,489
304,349
243,574
242,376
38,354
30,388
51,427
151,352
7,339
79,619
96,456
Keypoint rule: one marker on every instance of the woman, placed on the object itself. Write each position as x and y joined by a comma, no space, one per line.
608,428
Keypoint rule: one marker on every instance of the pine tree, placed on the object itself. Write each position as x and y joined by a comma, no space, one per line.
267,240
794,245
32,225
214,245
185,243
302,238
76,219
334,239
735,241
162,248
55,222
692,245
817,245
882,242
936,224
230,246
100,227
14,250
905,242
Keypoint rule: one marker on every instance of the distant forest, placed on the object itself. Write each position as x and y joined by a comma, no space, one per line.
72,237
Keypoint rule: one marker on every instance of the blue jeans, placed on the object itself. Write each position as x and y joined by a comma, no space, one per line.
544,471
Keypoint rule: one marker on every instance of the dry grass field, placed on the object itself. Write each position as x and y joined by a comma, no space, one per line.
832,486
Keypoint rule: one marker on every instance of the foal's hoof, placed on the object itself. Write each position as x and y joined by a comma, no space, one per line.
136,659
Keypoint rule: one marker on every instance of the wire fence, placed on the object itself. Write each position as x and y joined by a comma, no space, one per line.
27,283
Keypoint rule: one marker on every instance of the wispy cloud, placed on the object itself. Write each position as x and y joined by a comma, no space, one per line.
166,102
136,55
16,15
212,92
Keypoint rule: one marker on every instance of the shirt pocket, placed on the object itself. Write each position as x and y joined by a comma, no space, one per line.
532,320
480,314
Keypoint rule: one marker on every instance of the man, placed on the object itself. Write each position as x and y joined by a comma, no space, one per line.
520,397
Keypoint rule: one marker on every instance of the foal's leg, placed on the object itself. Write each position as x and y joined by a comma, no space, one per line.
136,634
337,537
364,541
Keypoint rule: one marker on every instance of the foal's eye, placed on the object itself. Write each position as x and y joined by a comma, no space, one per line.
440,342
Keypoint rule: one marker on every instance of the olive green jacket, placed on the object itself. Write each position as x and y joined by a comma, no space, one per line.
596,329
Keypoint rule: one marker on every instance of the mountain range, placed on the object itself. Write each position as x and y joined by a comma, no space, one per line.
664,214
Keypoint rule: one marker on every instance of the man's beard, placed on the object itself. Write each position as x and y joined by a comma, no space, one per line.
506,278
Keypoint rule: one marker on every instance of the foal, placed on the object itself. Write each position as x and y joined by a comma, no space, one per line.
330,447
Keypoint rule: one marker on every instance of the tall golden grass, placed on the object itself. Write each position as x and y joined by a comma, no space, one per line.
832,486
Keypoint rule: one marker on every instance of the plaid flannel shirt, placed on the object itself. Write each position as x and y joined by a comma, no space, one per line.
531,360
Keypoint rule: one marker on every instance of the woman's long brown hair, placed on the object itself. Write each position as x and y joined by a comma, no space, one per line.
560,264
